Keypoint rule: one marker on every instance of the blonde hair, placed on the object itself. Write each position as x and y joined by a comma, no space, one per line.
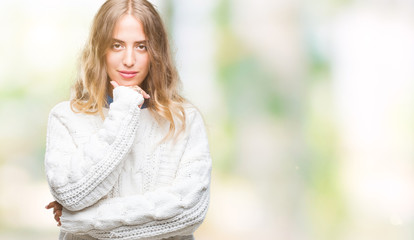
162,82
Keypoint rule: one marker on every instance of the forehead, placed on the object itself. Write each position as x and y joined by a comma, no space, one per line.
129,28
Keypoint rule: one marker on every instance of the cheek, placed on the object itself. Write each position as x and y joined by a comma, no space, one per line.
146,62
110,60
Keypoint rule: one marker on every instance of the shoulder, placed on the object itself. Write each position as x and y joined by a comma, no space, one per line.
194,120
61,109
65,113
192,114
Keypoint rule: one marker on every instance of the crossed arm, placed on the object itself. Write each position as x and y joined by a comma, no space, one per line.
179,207
57,207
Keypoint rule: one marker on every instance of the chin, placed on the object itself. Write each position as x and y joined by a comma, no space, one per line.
128,83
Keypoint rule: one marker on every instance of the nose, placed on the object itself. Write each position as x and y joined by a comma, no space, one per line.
129,58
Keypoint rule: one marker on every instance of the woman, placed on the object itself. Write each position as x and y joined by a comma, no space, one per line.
127,157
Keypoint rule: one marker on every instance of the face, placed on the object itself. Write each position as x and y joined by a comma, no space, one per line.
127,59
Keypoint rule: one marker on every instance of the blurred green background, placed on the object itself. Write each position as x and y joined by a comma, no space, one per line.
309,107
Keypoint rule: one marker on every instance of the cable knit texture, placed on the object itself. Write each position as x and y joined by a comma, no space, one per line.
117,180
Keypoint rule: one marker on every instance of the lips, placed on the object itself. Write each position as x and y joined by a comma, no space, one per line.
127,74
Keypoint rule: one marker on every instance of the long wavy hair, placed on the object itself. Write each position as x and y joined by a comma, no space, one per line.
89,93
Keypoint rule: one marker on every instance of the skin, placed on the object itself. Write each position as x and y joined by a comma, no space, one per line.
127,62
57,211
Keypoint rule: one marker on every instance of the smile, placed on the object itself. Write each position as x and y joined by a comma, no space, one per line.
128,74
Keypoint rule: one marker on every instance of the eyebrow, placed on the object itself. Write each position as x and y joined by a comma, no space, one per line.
117,40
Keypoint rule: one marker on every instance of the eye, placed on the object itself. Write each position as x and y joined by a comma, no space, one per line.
142,47
116,46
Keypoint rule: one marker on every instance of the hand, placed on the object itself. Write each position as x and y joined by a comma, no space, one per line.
57,211
135,88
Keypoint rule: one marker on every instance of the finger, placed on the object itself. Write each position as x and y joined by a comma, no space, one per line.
57,218
51,205
135,88
115,84
144,94
140,91
57,210
58,206
58,213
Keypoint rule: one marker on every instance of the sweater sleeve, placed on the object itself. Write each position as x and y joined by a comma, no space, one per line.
80,175
177,209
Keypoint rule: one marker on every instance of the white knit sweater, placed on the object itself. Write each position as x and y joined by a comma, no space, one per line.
116,180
